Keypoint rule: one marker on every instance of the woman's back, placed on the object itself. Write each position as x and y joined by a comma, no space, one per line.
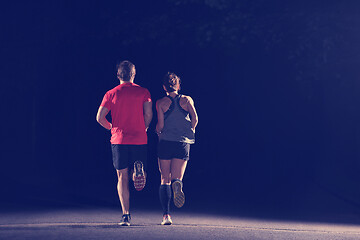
177,122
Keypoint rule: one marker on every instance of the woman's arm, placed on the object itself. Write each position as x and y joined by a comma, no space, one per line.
160,116
193,115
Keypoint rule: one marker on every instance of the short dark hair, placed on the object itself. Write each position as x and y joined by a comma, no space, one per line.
170,81
126,70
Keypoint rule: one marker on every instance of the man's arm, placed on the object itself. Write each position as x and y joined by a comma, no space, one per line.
148,114
160,117
101,118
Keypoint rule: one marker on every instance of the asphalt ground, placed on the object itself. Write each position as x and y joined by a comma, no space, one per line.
102,223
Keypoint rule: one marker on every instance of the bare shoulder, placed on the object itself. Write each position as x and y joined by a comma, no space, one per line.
186,102
187,99
163,102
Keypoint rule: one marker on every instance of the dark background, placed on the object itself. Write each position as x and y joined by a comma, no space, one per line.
275,83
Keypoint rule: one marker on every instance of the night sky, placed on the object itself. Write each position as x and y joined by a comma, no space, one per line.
275,84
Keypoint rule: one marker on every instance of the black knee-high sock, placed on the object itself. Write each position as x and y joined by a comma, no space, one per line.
165,197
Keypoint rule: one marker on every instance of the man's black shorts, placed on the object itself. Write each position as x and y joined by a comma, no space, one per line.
168,150
124,156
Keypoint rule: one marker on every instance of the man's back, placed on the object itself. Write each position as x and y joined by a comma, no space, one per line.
126,103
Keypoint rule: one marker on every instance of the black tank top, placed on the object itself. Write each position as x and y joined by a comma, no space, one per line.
177,123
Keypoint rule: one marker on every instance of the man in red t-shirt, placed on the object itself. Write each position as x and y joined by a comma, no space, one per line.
131,112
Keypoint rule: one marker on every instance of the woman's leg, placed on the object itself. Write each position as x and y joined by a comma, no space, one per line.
165,188
178,167
164,168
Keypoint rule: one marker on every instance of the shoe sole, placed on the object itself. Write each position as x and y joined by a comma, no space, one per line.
124,224
179,196
166,223
139,178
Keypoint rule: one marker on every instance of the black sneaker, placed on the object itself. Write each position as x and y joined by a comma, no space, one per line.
125,221
179,196
139,176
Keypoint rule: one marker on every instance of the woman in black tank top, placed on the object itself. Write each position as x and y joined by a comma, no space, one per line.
177,120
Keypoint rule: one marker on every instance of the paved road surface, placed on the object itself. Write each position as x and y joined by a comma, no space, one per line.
102,224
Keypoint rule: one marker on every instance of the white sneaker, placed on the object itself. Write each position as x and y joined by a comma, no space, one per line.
166,220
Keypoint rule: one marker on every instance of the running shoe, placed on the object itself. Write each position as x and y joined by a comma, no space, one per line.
125,220
139,176
166,220
179,196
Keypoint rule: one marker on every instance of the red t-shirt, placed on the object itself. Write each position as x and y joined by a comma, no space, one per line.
126,103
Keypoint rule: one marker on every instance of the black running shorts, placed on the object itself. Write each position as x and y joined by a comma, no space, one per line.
124,156
168,150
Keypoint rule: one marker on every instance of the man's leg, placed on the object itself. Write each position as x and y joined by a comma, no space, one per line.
123,189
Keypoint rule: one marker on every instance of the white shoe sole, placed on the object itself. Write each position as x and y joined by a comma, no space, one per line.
179,196
139,176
